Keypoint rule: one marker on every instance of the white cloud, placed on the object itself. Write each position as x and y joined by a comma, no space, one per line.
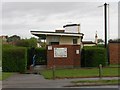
20,18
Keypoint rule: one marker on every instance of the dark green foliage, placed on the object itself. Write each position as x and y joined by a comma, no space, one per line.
30,54
93,56
23,43
32,42
100,45
114,40
13,38
100,41
14,59
40,58
7,46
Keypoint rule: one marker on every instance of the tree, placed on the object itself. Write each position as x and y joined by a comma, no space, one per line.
43,44
100,41
13,38
115,40
32,42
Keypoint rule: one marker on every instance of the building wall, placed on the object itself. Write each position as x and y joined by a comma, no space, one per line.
69,40
114,52
66,40
52,39
72,29
63,40
79,41
72,59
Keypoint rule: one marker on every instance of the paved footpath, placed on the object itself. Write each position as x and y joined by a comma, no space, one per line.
37,81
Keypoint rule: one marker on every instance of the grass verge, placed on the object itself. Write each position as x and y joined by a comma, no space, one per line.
5,75
114,65
81,72
93,83
97,81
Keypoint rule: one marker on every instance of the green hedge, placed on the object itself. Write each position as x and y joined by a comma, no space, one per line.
30,54
14,59
40,58
93,56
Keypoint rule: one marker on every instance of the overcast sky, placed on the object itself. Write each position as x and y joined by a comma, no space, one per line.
21,17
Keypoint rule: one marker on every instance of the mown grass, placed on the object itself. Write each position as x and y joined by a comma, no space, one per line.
114,65
82,72
97,81
5,75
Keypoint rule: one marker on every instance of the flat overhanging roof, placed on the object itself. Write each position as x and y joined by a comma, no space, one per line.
45,33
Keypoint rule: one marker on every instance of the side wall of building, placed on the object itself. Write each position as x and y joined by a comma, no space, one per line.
72,59
114,53
63,40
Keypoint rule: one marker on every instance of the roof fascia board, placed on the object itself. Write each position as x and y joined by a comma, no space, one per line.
56,34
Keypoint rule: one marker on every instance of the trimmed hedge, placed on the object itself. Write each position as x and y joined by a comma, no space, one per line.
40,58
30,54
14,59
93,56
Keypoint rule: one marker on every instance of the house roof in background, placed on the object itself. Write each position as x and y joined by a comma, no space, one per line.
88,42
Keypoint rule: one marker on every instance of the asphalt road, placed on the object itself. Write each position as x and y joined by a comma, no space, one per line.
37,81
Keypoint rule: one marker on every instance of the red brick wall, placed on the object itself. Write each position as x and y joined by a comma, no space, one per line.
72,59
114,52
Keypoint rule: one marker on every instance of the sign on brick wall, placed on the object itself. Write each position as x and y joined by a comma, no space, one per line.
60,52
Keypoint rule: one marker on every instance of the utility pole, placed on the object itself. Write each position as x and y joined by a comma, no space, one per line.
106,28
105,19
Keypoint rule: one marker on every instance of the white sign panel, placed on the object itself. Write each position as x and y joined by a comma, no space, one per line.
60,52
49,47
77,51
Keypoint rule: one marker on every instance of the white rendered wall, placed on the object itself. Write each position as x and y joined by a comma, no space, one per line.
72,29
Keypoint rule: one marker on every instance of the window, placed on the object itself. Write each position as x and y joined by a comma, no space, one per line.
74,41
54,43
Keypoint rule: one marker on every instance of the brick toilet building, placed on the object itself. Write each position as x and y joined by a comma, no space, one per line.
114,52
63,46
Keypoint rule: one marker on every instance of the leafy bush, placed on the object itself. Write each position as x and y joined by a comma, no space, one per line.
32,42
30,54
40,57
13,38
14,59
93,56
114,40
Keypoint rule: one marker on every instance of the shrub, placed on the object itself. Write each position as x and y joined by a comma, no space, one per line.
93,56
40,57
32,42
14,59
30,54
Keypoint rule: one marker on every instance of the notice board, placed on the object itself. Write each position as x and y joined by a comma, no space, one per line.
60,52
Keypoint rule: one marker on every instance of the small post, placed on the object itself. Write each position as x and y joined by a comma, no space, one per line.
53,72
100,71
